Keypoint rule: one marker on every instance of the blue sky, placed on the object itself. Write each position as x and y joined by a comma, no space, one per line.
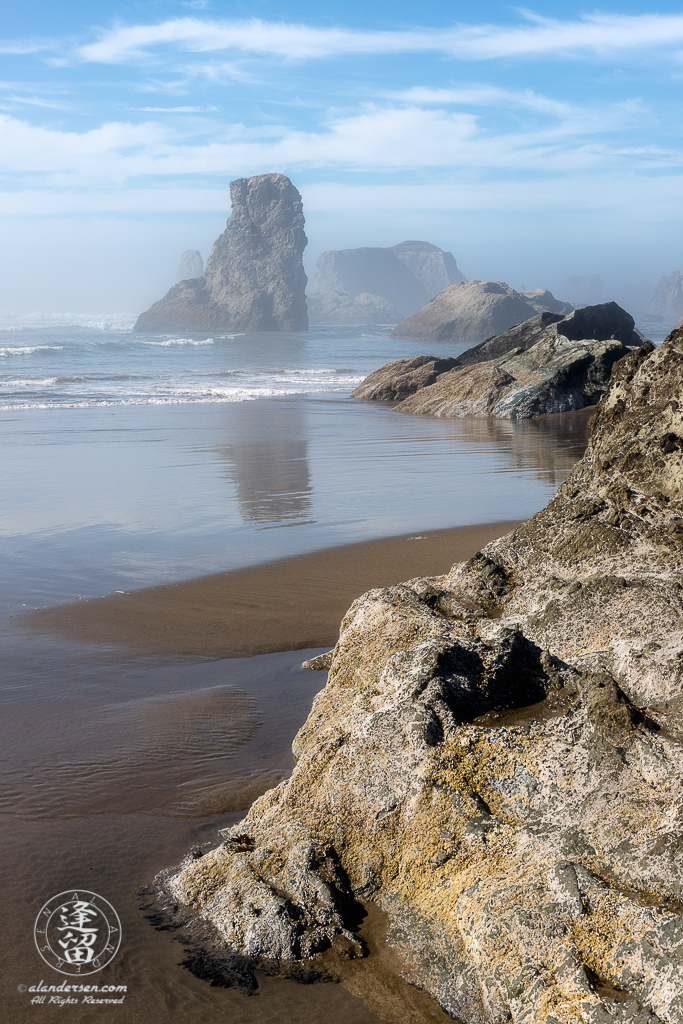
533,142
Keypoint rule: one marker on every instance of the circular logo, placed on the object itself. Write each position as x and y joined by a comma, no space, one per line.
77,932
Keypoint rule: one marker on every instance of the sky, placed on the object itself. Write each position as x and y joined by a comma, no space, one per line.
535,143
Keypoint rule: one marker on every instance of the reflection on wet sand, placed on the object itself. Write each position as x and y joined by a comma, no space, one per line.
548,444
267,460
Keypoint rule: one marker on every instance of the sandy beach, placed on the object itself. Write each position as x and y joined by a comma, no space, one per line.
284,605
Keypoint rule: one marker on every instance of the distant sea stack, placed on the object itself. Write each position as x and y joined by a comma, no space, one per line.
667,297
366,284
473,311
254,279
191,265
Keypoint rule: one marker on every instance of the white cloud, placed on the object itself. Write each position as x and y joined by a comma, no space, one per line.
569,118
379,138
601,34
36,101
596,196
86,155
177,110
50,201
485,95
23,48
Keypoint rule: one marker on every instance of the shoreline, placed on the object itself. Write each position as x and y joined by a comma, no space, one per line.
287,604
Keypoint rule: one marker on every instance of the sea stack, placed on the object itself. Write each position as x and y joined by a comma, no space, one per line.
190,265
667,297
371,284
254,279
495,761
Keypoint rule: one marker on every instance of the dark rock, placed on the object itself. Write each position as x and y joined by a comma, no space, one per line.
516,339
471,311
254,278
220,972
605,322
545,365
191,265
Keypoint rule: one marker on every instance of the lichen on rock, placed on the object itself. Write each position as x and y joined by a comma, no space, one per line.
495,760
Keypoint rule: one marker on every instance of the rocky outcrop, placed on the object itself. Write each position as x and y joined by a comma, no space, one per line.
191,265
548,364
330,308
396,281
495,761
254,279
472,311
667,297
403,377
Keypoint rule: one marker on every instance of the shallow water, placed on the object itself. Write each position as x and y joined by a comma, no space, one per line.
100,500
114,765
100,792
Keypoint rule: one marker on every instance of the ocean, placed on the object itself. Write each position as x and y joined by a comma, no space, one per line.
131,461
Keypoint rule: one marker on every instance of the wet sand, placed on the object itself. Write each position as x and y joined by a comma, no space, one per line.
283,605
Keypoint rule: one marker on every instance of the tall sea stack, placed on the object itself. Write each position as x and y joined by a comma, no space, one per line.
254,279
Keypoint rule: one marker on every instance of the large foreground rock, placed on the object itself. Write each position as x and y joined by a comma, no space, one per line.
496,758
548,364
254,279
472,311
395,281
